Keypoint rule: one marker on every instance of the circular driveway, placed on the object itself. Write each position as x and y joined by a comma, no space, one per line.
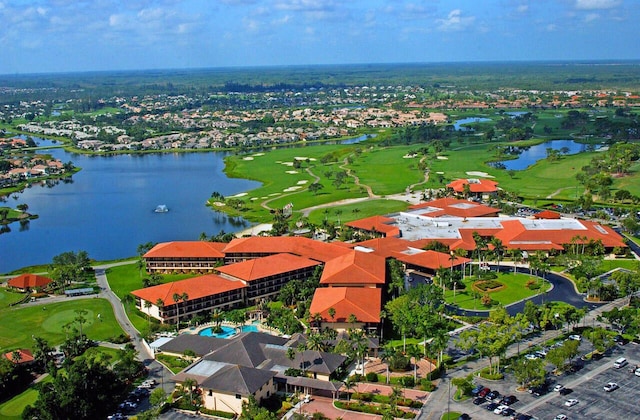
562,290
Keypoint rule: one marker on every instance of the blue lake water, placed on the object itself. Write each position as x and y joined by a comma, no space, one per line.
108,209
531,155
458,124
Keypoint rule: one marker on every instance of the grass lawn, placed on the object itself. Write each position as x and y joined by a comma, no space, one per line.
124,279
513,291
7,297
349,212
13,408
102,354
19,324
608,265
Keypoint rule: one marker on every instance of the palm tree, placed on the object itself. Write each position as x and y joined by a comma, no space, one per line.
350,384
176,298
415,353
184,297
148,305
387,354
516,255
498,249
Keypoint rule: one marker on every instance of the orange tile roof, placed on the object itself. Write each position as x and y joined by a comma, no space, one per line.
31,281
305,247
272,265
547,214
356,267
432,260
515,235
365,303
376,223
475,185
449,206
25,356
187,249
195,288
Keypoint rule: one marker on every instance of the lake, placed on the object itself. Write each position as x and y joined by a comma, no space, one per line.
108,209
530,155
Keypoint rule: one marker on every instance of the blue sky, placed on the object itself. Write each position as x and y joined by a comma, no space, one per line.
80,35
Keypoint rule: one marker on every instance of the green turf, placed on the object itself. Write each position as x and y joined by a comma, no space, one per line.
20,323
514,291
13,408
8,297
348,212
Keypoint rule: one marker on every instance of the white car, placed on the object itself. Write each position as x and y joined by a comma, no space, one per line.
611,386
499,409
637,371
531,356
558,388
561,417
571,402
575,337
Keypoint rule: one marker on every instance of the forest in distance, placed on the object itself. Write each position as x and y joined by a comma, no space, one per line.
539,75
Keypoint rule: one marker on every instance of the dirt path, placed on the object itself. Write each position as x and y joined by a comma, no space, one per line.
558,191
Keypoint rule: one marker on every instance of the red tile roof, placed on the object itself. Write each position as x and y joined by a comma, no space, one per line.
301,246
272,265
365,303
432,260
475,185
355,268
195,288
187,249
547,214
376,223
30,281
449,206
25,356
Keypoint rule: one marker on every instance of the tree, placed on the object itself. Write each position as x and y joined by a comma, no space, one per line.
87,390
252,411
42,351
176,298
415,352
315,188
528,371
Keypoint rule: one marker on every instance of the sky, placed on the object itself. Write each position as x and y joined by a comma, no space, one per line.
42,36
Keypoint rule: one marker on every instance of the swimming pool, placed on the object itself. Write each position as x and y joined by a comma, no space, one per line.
227,331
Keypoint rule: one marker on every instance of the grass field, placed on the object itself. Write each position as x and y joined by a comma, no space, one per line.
13,408
7,297
354,211
513,291
19,324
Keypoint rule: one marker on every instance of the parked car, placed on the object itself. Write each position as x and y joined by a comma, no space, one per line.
479,401
508,412
499,409
508,399
565,391
561,417
476,390
464,416
483,392
576,337
492,406
531,356
611,386
558,388
637,371
571,402
492,395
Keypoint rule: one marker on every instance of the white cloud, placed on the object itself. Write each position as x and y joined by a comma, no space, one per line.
596,4
455,21
591,17
523,8
282,21
552,27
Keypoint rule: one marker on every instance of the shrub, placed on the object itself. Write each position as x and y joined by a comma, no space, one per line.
398,362
372,377
407,381
426,385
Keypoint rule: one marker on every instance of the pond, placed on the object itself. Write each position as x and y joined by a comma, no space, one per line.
458,124
527,156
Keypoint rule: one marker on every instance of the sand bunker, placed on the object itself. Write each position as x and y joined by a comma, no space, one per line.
442,157
291,172
304,158
440,173
409,156
291,189
302,182
237,195
258,154
480,174
247,158
286,163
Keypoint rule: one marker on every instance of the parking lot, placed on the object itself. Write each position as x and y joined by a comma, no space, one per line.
586,386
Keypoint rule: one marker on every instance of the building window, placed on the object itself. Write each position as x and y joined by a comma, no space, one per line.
211,392
238,396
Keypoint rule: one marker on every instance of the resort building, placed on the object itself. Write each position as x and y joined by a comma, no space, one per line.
26,282
182,257
255,364
264,277
474,187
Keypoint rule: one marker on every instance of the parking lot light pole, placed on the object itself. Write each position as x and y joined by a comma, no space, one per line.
449,400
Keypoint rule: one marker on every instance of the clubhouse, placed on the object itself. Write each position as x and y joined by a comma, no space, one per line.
354,276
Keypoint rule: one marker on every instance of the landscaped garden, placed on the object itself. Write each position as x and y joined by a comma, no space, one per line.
503,290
